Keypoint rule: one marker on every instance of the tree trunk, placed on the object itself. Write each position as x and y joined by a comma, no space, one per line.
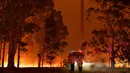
128,63
42,61
50,64
11,51
44,34
3,55
11,56
109,59
39,61
0,52
112,61
18,61
113,54
12,38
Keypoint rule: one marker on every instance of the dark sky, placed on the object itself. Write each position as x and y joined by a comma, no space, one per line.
71,17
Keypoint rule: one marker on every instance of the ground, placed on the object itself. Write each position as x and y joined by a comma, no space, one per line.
60,70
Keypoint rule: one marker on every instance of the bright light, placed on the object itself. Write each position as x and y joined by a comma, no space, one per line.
72,51
80,51
87,65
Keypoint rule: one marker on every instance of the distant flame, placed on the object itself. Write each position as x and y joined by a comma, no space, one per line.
31,65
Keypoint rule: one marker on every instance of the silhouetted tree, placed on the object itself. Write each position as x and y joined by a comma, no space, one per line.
14,14
3,36
114,14
0,53
57,31
55,34
1,17
42,16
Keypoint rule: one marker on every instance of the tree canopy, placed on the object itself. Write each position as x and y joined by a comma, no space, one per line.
115,33
55,35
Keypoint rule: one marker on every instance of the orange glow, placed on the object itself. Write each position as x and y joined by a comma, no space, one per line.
31,65
58,64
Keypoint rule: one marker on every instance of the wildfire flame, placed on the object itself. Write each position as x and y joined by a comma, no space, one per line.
34,63
31,65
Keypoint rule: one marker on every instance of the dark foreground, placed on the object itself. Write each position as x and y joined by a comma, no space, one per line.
59,70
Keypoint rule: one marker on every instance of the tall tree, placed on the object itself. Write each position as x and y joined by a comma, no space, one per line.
1,11
3,34
55,35
3,54
114,14
0,53
55,30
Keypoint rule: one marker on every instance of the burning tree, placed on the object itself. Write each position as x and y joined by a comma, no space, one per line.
15,28
115,15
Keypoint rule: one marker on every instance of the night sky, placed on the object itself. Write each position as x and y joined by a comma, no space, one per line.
71,17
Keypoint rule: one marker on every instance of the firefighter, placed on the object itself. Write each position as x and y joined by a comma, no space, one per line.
80,62
72,60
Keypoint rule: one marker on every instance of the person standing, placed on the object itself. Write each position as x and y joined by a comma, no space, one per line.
80,62
72,60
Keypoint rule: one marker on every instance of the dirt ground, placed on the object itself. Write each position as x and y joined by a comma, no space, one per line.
59,70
